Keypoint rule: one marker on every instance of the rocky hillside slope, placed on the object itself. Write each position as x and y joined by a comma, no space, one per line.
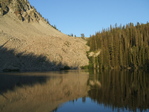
29,43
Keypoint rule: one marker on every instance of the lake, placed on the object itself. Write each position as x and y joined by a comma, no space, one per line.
74,91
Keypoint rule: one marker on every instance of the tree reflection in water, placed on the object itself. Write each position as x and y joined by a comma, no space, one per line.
120,89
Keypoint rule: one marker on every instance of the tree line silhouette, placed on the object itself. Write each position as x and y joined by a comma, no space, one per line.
121,47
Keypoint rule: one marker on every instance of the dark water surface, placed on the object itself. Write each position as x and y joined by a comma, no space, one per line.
75,91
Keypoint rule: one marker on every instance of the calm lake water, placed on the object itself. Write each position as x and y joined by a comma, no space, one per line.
75,91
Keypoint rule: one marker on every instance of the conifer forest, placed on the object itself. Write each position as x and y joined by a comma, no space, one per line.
121,47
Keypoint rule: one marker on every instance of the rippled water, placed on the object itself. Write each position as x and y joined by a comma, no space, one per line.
74,91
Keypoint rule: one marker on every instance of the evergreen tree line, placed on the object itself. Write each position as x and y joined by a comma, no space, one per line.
121,47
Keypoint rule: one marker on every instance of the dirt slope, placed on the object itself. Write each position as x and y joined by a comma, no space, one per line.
28,42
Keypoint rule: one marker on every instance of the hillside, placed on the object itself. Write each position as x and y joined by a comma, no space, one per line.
29,43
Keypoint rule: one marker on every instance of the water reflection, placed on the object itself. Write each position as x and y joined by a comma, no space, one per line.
113,91
42,95
74,91
121,89
89,106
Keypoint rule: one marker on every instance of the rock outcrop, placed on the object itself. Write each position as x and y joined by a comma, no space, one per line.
29,43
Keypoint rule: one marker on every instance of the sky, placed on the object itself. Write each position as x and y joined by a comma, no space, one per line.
91,16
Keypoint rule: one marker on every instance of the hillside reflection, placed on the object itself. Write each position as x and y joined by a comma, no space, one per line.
40,92
67,90
120,89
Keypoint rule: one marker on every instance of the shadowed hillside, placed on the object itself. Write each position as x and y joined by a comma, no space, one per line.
26,34
12,61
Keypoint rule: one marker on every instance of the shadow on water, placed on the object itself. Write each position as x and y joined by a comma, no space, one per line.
10,82
120,89
12,61
40,92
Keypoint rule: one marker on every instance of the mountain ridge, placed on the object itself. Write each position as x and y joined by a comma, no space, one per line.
24,30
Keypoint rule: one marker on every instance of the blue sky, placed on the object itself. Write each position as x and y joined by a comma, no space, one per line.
90,16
